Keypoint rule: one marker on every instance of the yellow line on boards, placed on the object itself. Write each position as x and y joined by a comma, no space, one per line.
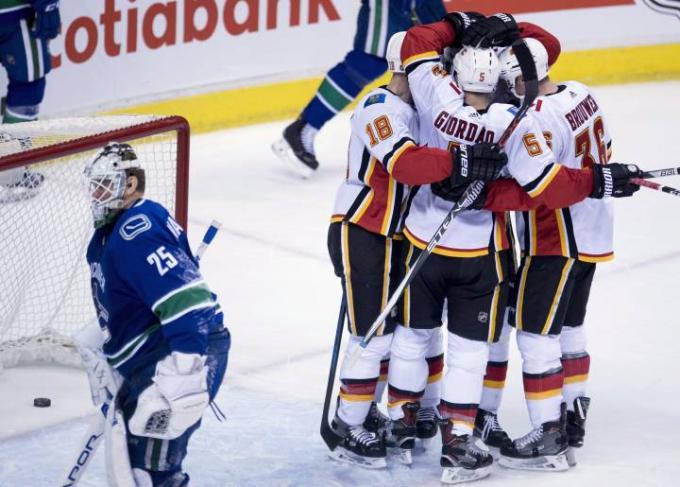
285,100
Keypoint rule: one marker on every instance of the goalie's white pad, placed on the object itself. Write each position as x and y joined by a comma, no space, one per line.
104,380
118,468
175,401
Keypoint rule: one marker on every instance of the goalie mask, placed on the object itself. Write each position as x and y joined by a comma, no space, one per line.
105,178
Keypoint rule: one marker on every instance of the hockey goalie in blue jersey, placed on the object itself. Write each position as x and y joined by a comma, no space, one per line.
161,326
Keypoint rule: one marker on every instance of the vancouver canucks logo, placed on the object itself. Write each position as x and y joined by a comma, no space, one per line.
133,226
668,7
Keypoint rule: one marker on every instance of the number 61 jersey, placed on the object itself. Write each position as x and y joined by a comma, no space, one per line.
574,126
147,289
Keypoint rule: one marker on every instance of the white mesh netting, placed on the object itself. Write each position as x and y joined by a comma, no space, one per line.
45,226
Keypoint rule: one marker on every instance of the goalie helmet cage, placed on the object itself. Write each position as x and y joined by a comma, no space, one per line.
46,223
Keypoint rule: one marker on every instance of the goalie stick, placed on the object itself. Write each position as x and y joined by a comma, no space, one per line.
98,426
528,68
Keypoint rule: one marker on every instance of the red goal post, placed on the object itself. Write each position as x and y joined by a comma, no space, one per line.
45,221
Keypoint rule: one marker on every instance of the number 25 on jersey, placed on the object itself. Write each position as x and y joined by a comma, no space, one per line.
163,259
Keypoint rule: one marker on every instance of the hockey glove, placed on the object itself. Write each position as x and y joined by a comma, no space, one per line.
104,380
497,30
613,180
461,21
483,161
445,190
47,19
176,399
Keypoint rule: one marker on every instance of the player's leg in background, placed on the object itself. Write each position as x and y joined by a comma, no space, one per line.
27,61
376,22
426,422
477,297
544,288
159,462
575,358
362,260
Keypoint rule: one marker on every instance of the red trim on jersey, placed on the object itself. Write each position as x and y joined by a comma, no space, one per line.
569,186
425,38
422,165
549,41
455,88
548,238
372,218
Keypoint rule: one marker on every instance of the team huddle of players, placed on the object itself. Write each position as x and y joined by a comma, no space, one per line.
416,145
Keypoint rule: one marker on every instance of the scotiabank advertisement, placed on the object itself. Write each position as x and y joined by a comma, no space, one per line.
113,53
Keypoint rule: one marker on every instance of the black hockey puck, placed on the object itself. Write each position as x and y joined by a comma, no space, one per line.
42,402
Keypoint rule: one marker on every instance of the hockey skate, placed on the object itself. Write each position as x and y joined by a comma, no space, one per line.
489,430
376,422
358,446
464,457
297,148
404,430
426,426
543,448
576,423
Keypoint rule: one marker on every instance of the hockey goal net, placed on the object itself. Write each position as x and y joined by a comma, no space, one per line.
46,224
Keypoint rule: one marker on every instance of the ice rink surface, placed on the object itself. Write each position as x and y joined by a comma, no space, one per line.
270,269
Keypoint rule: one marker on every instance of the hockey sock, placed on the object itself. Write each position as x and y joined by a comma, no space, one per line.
408,370
435,370
358,383
496,371
382,380
462,385
543,376
341,85
576,363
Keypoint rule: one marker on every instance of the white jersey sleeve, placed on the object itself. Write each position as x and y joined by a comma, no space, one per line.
385,126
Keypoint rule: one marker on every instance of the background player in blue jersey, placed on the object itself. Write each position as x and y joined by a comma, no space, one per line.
26,26
162,327
377,21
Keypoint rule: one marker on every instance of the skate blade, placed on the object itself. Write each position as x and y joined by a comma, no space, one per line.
457,475
403,456
547,463
344,456
283,151
571,457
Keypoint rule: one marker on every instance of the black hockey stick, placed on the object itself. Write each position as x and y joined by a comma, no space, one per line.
327,433
655,186
526,63
659,173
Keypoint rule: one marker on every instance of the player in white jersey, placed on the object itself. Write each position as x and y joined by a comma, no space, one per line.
469,267
560,249
384,160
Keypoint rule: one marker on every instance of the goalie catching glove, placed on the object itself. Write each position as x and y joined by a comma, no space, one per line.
175,400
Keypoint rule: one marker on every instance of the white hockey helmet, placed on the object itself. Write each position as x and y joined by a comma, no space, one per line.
510,69
105,178
393,53
476,69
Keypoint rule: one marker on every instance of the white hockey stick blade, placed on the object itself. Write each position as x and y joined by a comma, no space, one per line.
88,446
